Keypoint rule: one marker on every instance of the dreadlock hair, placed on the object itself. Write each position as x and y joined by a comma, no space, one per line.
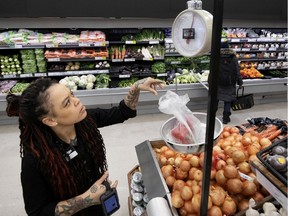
36,138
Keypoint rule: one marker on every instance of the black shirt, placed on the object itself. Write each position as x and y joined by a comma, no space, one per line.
38,196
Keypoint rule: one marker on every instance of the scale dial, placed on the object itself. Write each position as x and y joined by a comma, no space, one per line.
192,32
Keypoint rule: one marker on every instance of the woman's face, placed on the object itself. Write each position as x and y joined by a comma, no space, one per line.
66,108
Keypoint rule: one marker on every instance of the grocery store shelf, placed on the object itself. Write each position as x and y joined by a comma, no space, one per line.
264,90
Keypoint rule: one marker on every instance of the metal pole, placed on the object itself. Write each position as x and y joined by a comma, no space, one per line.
212,100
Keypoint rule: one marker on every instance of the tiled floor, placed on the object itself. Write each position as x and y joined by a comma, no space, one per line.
120,143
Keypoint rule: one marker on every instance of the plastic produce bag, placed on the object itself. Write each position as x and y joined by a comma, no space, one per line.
188,129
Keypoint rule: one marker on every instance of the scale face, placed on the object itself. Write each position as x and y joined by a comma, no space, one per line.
192,32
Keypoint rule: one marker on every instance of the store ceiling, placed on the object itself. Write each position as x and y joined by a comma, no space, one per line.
233,9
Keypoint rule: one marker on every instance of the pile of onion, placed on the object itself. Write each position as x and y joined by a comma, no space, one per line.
232,181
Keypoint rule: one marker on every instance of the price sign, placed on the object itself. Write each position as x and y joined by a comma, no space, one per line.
124,76
84,44
99,44
18,46
147,59
53,59
129,59
51,45
175,62
117,60
154,42
162,75
252,40
100,58
130,42
9,76
40,74
26,75
272,49
235,40
245,49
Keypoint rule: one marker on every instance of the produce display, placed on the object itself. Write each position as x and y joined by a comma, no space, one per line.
10,64
88,82
232,184
6,85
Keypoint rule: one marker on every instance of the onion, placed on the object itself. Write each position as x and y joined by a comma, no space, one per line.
164,148
194,161
191,173
182,211
254,139
176,200
229,206
188,207
217,149
246,141
163,160
217,196
169,153
230,161
198,174
234,186
220,164
234,130
258,197
238,156
180,174
225,134
178,161
225,144
249,188
185,166
178,185
196,189
201,159
253,148
265,142
196,202
230,171
243,204
170,180
167,170
215,211
171,161
227,128
244,167
220,177
186,193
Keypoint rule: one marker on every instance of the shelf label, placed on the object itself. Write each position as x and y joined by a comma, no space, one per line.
51,45
162,75
281,39
273,190
273,67
124,76
117,60
147,59
235,40
251,40
244,176
130,42
245,49
237,49
84,44
262,49
272,49
56,73
26,75
100,44
175,62
154,42
204,61
100,58
18,46
158,58
129,59
281,57
9,76
40,74
53,59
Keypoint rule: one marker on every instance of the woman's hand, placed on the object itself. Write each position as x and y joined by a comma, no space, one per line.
149,84
88,198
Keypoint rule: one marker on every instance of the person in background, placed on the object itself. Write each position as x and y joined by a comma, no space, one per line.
63,153
229,76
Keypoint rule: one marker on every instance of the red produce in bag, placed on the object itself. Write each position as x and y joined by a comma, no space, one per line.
188,129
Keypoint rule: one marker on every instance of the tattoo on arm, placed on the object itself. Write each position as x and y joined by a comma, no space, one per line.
131,100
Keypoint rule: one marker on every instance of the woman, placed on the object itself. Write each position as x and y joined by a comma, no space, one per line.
63,153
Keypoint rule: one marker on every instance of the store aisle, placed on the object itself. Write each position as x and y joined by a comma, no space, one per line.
120,142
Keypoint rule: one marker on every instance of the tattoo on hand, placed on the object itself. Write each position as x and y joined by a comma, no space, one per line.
73,205
132,98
